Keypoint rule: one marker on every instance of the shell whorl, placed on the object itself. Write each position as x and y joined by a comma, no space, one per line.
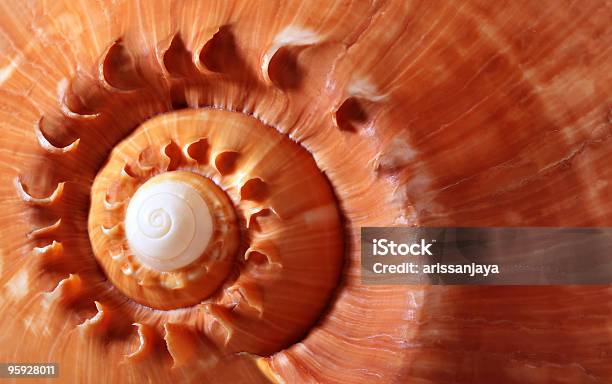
202,206
168,225
179,235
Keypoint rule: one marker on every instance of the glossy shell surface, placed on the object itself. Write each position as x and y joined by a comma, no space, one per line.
308,120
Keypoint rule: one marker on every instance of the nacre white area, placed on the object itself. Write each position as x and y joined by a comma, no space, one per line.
168,224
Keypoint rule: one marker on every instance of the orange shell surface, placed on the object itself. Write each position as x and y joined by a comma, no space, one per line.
314,119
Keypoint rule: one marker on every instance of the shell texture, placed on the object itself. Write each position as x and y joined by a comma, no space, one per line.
286,126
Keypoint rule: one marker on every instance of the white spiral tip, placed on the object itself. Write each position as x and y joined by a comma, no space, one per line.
168,224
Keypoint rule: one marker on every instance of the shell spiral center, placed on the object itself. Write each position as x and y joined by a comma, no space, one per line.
168,224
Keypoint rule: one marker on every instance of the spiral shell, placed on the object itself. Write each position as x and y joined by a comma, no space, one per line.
179,238
168,223
181,234
183,185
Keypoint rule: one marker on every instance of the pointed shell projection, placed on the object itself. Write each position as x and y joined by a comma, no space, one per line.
183,185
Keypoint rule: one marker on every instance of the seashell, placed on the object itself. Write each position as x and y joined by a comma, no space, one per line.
183,185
